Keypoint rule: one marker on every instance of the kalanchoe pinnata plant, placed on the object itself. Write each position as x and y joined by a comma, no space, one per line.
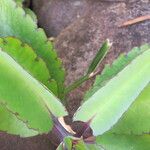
114,114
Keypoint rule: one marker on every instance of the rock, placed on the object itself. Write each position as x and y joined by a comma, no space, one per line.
55,15
79,42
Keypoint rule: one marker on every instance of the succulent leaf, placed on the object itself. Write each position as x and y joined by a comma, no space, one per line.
60,147
83,146
136,119
132,130
111,70
27,58
99,56
32,14
124,142
109,103
24,95
68,143
15,22
10,123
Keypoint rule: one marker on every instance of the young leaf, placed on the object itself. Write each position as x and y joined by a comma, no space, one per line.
83,146
107,105
26,57
10,123
14,22
32,14
94,147
124,142
99,56
25,96
20,1
111,70
68,143
61,146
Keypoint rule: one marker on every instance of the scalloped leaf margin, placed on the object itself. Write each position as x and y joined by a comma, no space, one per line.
15,22
109,103
27,58
24,95
112,70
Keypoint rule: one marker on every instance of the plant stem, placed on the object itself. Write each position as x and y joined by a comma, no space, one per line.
93,66
76,84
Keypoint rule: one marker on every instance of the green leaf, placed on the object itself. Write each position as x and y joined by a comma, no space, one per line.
20,1
136,119
83,146
60,147
32,14
109,103
111,70
96,61
127,133
25,96
14,22
94,147
132,130
124,142
10,123
78,145
26,57
99,56
68,143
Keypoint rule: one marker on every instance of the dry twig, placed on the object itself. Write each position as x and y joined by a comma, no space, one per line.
136,20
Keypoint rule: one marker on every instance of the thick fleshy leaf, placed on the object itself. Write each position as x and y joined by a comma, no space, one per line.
95,147
132,130
26,97
26,57
10,123
111,70
60,147
32,14
124,142
109,103
83,146
19,2
137,119
14,22
68,143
